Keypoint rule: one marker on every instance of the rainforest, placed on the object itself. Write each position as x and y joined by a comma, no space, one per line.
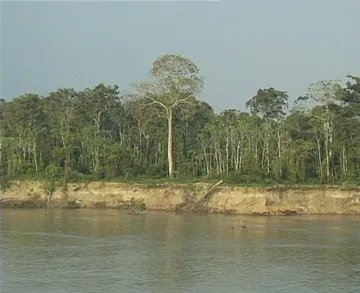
161,131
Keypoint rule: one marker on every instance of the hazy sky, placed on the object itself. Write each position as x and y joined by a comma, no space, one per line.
240,45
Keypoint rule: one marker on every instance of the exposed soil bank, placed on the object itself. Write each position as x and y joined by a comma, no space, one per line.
188,197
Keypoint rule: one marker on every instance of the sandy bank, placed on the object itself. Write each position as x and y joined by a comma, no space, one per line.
178,197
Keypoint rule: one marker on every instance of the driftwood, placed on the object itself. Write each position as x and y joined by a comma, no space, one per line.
208,194
199,206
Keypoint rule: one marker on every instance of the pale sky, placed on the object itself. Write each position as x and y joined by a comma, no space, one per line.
239,46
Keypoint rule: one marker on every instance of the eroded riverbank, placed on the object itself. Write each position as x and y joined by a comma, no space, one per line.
186,197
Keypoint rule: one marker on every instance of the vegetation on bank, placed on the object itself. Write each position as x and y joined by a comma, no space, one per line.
160,133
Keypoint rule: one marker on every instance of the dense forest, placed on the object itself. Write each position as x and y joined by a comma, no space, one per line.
160,129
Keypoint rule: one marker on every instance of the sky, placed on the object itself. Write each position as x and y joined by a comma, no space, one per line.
240,46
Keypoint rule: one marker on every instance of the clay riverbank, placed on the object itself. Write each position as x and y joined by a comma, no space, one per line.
282,200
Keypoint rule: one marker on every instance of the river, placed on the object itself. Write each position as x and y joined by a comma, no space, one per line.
84,251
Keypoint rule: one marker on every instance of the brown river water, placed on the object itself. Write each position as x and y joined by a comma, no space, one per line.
85,251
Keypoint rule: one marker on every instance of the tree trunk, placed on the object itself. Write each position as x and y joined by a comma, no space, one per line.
170,145
267,148
226,167
327,154
206,160
279,153
1,163
147,148
319,156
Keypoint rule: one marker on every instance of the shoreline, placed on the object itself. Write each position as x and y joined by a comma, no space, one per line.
137,198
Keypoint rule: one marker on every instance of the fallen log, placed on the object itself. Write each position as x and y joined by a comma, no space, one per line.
211,190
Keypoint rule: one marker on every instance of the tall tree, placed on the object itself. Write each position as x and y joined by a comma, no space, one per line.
350,95
323,96
60,107
349,128
173,86
271,105
95,106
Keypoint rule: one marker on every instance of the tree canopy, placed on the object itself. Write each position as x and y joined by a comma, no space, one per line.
162,130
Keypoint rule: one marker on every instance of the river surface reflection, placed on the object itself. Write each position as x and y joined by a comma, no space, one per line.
106,251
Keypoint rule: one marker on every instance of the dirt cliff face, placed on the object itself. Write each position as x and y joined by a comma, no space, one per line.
177,197
299,200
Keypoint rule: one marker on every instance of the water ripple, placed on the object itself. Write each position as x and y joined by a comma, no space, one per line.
95,251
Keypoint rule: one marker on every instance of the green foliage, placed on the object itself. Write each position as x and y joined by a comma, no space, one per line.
54,171
270,103
50,187
96,134
4,183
